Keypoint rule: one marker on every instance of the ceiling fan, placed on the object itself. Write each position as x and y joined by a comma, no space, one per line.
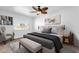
40,10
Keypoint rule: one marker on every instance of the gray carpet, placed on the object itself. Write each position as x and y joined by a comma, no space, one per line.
67,49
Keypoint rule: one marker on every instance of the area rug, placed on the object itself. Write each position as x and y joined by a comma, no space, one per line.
15,48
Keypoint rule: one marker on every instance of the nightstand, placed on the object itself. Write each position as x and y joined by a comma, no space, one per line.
68,39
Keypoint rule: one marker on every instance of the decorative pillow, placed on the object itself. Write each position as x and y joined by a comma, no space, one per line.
46,30
57,30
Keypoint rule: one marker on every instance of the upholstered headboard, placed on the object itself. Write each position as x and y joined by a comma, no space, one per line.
54,29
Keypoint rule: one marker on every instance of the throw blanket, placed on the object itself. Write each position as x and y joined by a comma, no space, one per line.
55,39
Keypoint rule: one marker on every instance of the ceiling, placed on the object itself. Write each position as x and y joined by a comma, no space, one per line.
25,10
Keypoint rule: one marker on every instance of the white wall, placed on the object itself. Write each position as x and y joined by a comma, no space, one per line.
39,21
69,17
17,19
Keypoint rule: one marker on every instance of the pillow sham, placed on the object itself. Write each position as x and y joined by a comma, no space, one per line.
46,30
57,30
54,30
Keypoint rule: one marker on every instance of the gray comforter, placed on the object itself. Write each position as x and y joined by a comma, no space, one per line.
45,42
53,38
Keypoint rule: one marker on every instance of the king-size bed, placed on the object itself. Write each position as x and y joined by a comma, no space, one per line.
47,39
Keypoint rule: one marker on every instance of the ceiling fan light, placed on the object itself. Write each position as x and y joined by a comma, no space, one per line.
39,12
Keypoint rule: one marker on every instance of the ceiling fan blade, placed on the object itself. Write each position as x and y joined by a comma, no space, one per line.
33,12
44,12
45,8
34,8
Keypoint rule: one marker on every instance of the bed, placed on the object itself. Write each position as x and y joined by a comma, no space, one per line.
47,40
49,37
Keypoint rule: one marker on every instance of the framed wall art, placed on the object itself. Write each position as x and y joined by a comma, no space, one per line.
53,20
6,20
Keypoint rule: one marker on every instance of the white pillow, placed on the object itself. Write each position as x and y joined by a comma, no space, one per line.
57,30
